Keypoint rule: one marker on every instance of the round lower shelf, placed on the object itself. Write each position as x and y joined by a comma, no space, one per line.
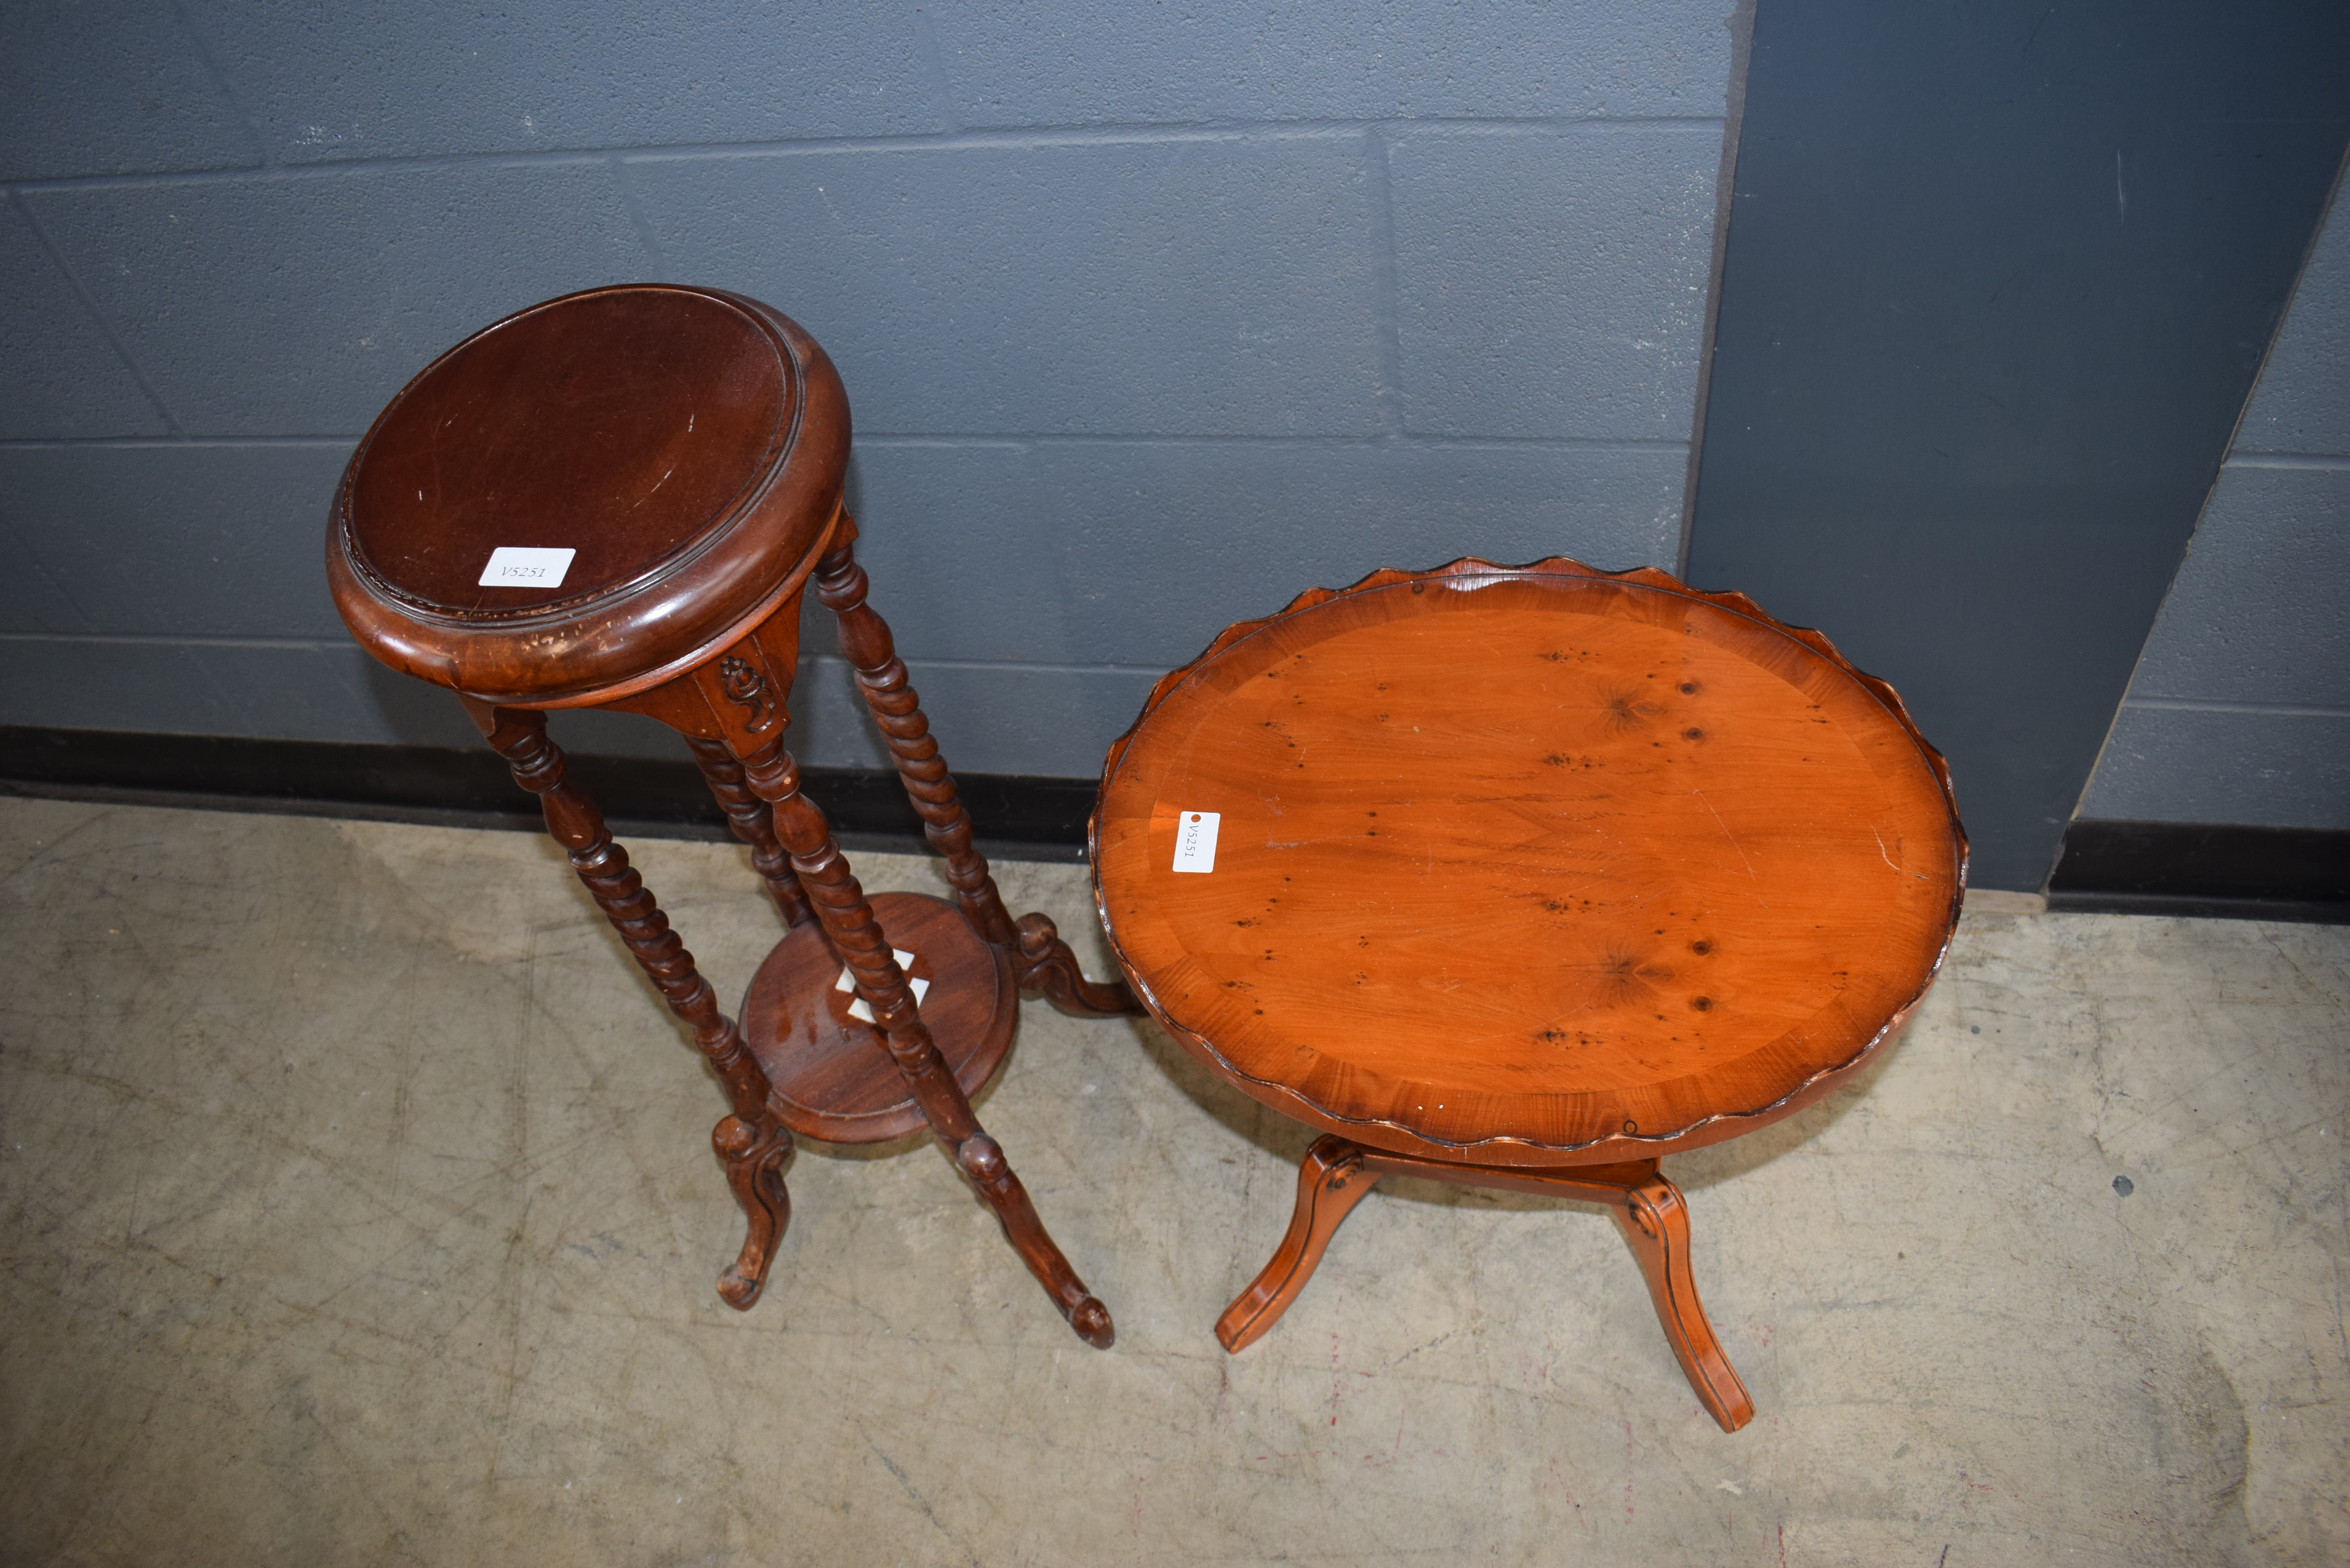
832,1076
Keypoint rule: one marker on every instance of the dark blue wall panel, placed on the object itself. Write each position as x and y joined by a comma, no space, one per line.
1998,280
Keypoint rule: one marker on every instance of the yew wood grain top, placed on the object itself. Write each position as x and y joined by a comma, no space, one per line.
687,444
1529,866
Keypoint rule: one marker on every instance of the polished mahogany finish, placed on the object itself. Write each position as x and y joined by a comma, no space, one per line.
815,1052
1526,868
688,447
681,404
685,443
750,1143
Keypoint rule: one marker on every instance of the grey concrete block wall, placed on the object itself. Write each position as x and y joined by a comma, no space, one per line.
111,89
2240,709
63,375
1183,285
296,305
1149,318
1516,314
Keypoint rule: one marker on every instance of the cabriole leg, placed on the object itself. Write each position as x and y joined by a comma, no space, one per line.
1646,1207
1655,1221
848,919
751,1144
1040,958
1047,964
1331,1180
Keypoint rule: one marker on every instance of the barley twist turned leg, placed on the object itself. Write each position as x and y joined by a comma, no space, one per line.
1040,958
753,821
848,918
751,1144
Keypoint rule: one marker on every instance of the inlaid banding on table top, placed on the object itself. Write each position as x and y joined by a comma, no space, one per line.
1540,859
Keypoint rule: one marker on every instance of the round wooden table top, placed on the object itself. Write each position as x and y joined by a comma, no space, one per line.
591,494
1528,866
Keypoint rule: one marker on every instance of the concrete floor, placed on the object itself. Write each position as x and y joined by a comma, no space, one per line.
356,1207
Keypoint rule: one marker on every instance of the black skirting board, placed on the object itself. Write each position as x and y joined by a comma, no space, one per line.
1013,817
2203,868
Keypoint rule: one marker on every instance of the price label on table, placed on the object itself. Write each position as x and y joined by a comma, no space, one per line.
1195,841
525,567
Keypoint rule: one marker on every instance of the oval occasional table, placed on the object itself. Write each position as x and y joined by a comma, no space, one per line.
1523,877
616,500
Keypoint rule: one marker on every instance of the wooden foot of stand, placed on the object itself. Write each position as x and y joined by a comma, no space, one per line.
1336,1175
753,1154
1046,964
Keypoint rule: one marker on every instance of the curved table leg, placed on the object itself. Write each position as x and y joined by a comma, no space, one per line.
1336,1175
1047,964
1333,1177
1655,1221
754,1156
